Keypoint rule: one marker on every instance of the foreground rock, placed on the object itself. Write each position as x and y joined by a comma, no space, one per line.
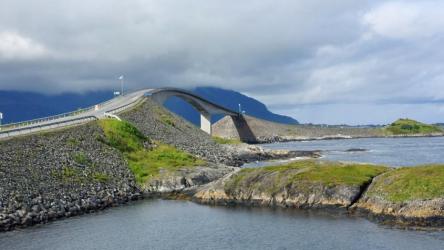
406,197
302,184
180,180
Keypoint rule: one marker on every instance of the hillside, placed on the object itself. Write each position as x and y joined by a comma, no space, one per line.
21,106
408,126
227,98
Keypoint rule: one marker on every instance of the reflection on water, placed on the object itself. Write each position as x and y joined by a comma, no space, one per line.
158,224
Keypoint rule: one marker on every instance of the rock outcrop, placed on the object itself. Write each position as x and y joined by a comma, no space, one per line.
406,197
304,184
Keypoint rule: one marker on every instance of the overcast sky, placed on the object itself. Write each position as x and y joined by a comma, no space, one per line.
341,61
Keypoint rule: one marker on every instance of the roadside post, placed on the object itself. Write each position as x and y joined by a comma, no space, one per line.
1,118
121,78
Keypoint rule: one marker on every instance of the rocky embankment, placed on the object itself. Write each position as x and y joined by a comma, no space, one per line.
61,174
261,131
268,132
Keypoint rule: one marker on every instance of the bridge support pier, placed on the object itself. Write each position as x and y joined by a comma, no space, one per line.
205,122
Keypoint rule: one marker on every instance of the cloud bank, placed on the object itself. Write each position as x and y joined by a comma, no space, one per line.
319,61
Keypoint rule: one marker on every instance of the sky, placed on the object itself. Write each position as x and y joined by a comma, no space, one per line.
335,62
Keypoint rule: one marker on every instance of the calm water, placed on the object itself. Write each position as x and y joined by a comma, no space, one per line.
388,151
159,224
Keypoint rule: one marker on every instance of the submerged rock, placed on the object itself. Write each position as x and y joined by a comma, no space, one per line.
356,150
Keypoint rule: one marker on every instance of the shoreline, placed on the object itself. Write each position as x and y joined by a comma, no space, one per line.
283,139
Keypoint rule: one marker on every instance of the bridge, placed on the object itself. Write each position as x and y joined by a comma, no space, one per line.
112,107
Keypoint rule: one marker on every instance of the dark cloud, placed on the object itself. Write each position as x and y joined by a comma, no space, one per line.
286,53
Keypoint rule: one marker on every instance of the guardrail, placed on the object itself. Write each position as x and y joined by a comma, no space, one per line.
35,125
117,110
12,126
38,127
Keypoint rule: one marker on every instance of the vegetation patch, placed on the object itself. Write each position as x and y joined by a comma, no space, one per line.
408,126
164,117
82,159
272,179
77,175
100,177
410,183
145,162
221,140
167,120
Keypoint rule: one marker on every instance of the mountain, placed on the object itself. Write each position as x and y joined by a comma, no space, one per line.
20,106
229,99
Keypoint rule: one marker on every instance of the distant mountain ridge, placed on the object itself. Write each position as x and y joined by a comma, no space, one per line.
20,106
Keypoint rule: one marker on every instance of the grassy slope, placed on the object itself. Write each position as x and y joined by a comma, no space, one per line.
310,171
407,126
221,140
412,183
145,163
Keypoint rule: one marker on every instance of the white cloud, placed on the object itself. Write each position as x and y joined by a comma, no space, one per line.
407,19
13,46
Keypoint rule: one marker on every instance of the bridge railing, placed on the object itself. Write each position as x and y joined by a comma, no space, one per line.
121,108
30,123
40,127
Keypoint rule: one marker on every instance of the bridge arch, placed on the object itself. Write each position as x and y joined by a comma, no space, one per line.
203,106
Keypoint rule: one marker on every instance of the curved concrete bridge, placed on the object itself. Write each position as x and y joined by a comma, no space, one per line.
110,108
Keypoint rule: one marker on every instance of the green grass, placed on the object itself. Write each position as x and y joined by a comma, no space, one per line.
100,177
408,126
221,140
410,183
78,175
122,135
340,174
81,158
145,163
274,178
164,117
